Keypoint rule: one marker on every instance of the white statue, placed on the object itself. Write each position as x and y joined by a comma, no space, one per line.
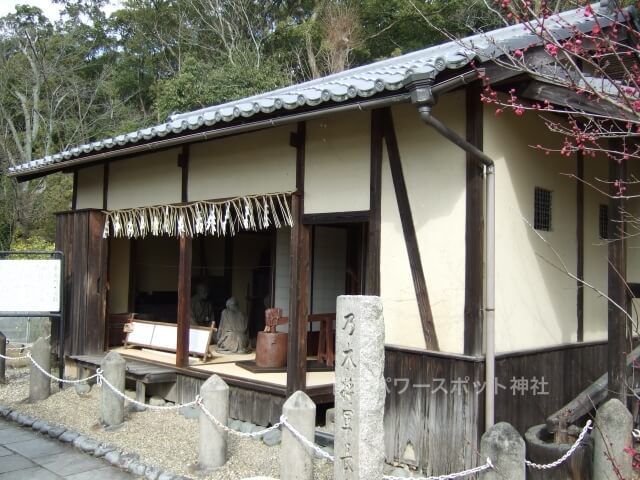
232,333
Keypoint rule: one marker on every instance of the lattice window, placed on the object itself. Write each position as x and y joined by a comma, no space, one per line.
603,222
542,209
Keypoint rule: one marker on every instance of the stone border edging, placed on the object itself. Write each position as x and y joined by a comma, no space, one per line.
129,462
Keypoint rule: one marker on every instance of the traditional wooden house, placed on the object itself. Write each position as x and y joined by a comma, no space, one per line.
390,179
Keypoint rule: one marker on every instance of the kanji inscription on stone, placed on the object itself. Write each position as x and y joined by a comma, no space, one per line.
359,388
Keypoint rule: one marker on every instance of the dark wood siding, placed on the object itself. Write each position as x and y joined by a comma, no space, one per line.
79,237
443,429
567,369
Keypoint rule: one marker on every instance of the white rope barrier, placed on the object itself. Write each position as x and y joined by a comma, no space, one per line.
222,426
564,458
8,357
101,380
305,441
449,476
56,379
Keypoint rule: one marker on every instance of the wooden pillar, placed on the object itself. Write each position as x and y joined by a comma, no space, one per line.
372,279
409,231
580,246
184,302
183,163
105,186
617,288
474,229
74,192
300,276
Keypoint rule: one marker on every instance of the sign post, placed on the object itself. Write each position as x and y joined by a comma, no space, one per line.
34,287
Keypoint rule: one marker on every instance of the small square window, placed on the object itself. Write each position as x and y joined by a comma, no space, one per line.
542,209
603,222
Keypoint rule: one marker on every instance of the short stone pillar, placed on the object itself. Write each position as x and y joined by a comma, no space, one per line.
504,446
112,409
212,445
359,388
296,462
3,363
612,434
39,383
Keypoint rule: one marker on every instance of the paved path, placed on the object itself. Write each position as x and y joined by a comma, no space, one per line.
26,455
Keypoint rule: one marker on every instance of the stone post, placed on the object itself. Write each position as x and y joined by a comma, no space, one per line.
296,462
359,388
3,351
39,383
212,446
505,447
112,410
612,434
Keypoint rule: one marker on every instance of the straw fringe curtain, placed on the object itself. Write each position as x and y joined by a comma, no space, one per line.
227,217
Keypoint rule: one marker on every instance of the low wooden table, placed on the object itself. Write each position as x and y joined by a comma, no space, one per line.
142,373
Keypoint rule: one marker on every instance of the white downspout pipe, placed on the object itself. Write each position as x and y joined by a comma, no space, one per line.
423,97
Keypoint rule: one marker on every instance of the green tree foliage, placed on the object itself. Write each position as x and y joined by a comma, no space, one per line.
84,76
199,84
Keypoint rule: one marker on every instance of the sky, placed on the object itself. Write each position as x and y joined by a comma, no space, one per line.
50,9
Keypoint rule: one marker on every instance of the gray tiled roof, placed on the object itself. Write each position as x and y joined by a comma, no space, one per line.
365,81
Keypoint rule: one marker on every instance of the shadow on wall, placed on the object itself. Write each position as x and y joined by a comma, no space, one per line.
535,301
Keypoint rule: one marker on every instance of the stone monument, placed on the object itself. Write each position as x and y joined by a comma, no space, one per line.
359,388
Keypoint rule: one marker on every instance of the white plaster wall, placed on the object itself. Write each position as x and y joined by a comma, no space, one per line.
595,250
337,163
435,174
90,186
153,179
257,162
633,230
535,302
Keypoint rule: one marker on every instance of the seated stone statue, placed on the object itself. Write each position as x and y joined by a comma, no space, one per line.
201,309
232,333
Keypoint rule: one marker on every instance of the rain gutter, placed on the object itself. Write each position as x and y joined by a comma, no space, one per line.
143,148
424,96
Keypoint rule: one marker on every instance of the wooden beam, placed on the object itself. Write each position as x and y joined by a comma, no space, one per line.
372,271
74,193
184,302
300,276
580,245
564,97
474,228
410,238
357,216
183,163
617,288
105,186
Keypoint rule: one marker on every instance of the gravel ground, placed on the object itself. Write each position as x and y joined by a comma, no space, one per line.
165,439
